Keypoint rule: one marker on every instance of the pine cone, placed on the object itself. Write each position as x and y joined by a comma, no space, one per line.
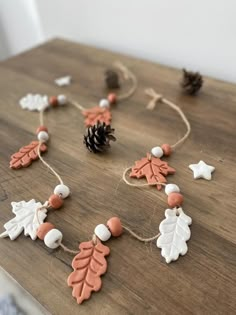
112,79
191,82
98,137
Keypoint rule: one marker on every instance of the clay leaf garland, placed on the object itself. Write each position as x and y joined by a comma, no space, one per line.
26,220
97,114
26,155
154,169
175,232
88,266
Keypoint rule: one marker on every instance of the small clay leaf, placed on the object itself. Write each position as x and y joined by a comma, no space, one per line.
26,155
34,102
175,232
26,219
88,266
97,114
154,169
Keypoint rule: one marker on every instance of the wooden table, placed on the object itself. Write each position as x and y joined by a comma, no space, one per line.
138,280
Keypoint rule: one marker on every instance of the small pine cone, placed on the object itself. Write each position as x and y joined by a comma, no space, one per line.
191,82
98,137
112,79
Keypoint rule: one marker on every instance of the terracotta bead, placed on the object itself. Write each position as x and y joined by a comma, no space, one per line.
115,226
166,149
55,201
41,128
43,229
112,98
53,101
175,199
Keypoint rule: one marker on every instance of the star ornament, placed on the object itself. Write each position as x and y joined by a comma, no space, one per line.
202,170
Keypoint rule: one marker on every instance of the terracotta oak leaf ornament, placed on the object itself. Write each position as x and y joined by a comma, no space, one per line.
88,266
97,114
154,169
26,155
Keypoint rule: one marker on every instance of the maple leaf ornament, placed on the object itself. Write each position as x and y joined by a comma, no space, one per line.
97,114
26,219
154,169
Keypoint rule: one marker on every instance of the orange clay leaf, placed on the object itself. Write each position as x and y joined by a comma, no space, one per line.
153,169
26,155
88,266
95,114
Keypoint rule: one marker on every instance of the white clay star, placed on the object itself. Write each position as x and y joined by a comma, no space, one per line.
63,81
202,170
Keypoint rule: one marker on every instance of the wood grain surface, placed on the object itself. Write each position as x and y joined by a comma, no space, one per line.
138,280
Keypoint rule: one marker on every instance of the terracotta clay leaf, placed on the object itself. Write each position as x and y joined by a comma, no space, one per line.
26,155
95,114
153,169
88,266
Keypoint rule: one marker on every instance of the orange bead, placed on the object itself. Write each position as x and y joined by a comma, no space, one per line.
175,199
53,101
115,226
166,149
43,229
55,201
112,98
41,128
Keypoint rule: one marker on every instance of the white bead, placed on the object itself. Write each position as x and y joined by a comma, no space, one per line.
43,136
53,238
104,103
170,188
62,190
61,99
102,232
157,152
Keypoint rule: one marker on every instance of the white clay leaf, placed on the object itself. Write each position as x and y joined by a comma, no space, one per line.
25,220
34,102
175,232
63,81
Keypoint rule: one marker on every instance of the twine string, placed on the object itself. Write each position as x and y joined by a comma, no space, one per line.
138,237
47,165
155,98
128,75
138,185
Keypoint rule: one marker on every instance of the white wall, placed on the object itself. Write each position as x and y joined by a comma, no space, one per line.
199,35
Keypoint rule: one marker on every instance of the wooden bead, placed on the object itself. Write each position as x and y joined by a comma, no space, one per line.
43,229
41,128
61,99
170,188
112,98
102,232
115,226
55,201
53,101
167,150
157,152
62,190
104,103
175,199
53,238
43,136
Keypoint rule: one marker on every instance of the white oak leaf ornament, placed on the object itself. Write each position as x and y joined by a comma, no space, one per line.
25,220
34,102
175,232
